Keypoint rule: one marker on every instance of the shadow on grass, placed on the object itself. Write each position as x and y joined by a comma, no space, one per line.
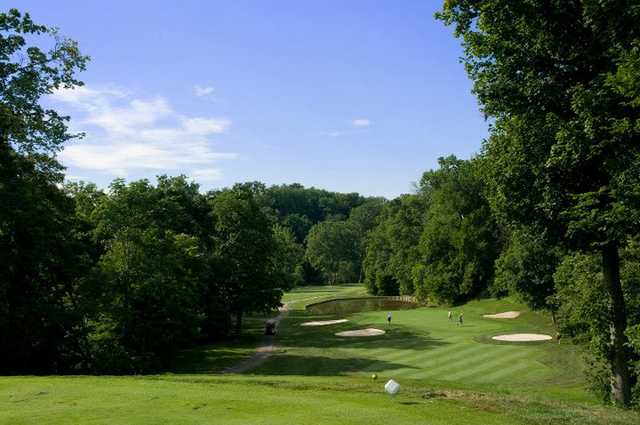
215,357
396,336
292,336
287,364
211,359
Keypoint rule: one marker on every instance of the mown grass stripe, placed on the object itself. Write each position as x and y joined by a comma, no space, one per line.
461,353
497,363
459,362
396,357
429,355
510,370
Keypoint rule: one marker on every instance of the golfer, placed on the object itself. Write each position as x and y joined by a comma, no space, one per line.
461,319
450,316
389,319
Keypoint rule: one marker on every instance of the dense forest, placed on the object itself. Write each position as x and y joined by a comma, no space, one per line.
117,280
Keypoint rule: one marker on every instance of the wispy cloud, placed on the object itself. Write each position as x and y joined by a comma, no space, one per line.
361,122
335,133
127,134
206,175
358,125
201,91
204,126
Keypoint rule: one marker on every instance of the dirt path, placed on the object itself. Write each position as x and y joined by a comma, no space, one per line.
264,350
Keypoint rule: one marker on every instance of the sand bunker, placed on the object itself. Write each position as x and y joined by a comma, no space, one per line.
505,315
362,332
324,322
522,337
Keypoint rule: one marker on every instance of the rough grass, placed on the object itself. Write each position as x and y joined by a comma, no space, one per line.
449,375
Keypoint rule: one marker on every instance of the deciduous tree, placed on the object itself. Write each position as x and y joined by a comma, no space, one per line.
560,80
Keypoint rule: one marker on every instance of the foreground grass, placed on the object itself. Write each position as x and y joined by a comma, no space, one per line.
449,375
197,399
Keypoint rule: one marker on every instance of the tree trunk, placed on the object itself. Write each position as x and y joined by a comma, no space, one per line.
620,377
238,326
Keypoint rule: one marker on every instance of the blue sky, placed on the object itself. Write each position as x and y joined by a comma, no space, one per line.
344,95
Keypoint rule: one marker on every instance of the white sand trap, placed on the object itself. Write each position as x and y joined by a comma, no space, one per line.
324,322
362,332
505,315
522,337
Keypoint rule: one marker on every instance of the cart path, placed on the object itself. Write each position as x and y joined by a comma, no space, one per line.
264,350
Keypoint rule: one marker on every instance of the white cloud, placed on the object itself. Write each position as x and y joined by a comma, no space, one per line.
205,125
127,134
361,122
203,91
86,98
206,175
136,114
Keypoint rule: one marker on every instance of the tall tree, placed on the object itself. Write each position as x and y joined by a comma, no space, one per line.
392,246
245,246
526,267
288,257
459,242
27,72
332,246
362,219
152,274
561,82
39,258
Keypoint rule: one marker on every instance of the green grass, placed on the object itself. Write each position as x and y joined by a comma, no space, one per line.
299,297
423,346
449,375
202,399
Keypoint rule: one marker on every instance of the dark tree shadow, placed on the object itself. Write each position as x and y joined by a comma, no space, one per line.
292,336
396,336
287,364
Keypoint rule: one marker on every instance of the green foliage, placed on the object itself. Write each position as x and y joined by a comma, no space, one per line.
561,84
363,219
42,258
42,254
289,257
459,241
26,74
584,311
150,278
299,209
333,247
525,268
392,246
247,278
150,282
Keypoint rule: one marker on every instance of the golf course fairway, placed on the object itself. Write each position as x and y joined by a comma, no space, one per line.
449,373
